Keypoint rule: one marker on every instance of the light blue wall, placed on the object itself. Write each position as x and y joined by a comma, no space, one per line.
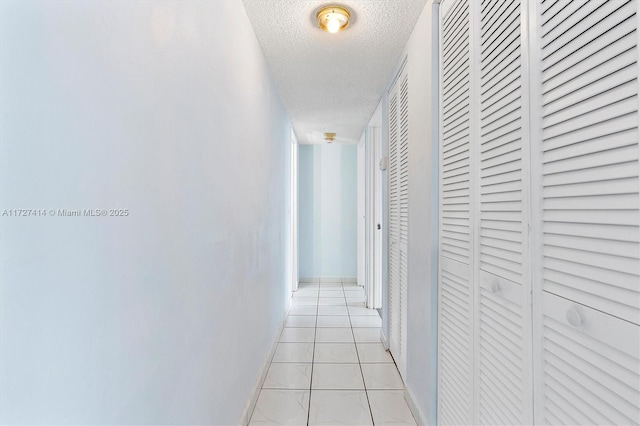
166,109
328,211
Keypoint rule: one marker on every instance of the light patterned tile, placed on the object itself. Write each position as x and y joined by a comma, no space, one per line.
362,311
334,335
390,408
303,310
281,407
373,353
332,310
293,352
366,321
333,408
333,321
335,353
304,301
298,334
381,376
367,334
288,376
305,294
355,301
337,376
332,301
332,293
300,321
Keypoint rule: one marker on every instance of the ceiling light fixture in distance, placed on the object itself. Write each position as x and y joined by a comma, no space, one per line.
333,18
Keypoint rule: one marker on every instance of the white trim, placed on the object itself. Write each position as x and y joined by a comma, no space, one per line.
330,279
293,209
343,280
362,208
418,415
384,340
253,399
373,215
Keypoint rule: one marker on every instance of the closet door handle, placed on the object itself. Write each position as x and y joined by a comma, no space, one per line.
574,318
494,286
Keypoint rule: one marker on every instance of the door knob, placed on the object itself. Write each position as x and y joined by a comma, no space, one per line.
574,318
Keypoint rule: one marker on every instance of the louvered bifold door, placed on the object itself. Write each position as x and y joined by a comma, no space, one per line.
403,211
455,294
398,216
394,224
587,179
503,286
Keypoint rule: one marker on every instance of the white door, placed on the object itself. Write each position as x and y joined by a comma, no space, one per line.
398,217
586,181
373,219
503,286
540,213
455,301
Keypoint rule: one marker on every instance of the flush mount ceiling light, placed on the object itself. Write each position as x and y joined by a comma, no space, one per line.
329,137
333,18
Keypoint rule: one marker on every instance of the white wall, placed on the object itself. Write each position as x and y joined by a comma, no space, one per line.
327,197
423,215
165,109
361,208
421,51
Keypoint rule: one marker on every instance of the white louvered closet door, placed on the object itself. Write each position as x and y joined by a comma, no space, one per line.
398,217
394,225
587,183
540,212
503,322
455,312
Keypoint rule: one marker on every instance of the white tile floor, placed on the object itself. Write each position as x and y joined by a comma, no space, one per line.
329,367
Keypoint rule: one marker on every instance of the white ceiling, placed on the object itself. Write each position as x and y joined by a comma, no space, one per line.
332,82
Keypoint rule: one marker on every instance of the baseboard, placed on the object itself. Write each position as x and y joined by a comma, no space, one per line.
417,414
384,340
248,410
331,279
328,280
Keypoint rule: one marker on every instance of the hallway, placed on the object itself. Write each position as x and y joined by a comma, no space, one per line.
329,366
170,170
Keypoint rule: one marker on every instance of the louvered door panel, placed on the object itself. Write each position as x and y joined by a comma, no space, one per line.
455,225
591,366
455,346
503,366
403,174
501,223
394,222
590,212
590,157
504,385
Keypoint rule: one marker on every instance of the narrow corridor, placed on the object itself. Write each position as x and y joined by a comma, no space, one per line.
329,366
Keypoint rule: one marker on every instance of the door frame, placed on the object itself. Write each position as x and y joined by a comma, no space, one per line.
373,214
293,212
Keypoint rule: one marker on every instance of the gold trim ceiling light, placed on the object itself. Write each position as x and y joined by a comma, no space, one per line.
329,137
333,18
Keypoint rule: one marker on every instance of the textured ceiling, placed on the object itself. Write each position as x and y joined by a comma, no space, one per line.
332,82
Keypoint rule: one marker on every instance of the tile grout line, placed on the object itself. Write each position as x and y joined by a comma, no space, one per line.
364,384
313,356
